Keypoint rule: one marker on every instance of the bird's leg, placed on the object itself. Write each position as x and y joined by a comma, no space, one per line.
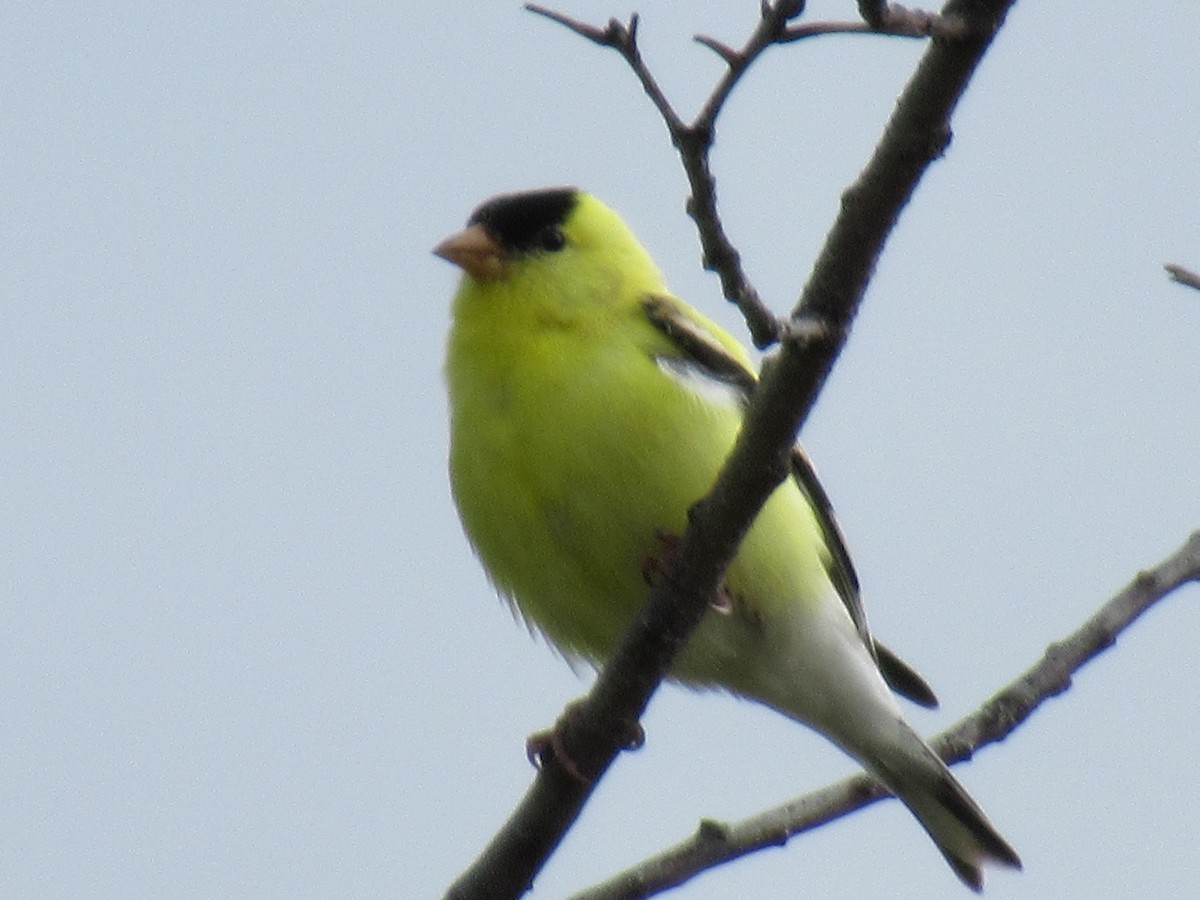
662,565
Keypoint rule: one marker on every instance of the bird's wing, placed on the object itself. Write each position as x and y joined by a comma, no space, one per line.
899,675
705,355
698,347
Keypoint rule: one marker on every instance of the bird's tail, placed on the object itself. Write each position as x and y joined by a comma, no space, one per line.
958,826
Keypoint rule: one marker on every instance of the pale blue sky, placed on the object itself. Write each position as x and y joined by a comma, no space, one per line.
246,650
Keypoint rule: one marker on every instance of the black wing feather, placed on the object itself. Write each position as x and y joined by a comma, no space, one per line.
695,343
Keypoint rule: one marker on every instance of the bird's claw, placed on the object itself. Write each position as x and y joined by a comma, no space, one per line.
662,565
540,744
549,742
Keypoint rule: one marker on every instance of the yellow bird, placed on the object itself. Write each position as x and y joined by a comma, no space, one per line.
590,409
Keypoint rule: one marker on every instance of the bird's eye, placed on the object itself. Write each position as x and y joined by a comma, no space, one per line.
551,239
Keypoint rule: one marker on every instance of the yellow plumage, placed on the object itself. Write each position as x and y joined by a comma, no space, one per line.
590,410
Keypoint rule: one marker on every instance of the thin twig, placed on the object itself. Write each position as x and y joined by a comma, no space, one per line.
772,24
889,19
917,25
715,843
622,38
1182,276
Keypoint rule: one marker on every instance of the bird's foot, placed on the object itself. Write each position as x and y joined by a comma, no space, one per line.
662,565
541,745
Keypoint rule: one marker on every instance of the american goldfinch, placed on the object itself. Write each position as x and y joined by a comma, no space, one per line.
590,409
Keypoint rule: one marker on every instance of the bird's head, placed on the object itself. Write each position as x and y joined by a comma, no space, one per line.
552,230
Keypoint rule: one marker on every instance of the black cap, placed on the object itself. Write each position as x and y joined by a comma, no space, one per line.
520,222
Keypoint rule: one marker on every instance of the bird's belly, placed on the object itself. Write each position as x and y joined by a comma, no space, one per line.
572,519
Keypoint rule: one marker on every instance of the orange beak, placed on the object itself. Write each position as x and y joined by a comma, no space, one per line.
474,251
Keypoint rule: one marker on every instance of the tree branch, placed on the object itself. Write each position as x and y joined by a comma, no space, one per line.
595,730
715,843
1183,276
